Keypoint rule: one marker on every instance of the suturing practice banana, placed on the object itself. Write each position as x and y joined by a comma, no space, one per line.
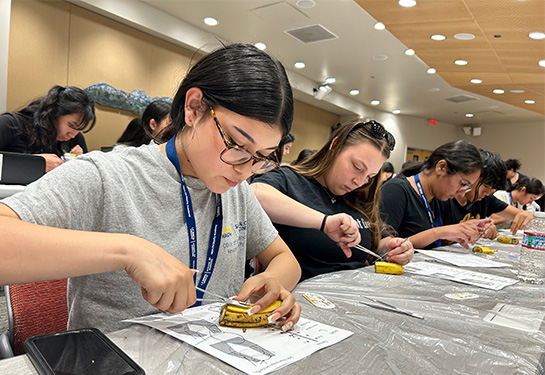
387,267
482,249
509,240
237,316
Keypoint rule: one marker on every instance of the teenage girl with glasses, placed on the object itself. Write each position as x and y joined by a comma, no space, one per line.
329,202
56,117
479,202
156,213
410,201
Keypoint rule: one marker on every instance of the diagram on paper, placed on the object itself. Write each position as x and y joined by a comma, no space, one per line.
256,351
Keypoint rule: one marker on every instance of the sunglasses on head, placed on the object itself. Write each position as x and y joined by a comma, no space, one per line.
378,132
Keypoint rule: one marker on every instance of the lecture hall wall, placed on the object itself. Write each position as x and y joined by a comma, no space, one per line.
54,42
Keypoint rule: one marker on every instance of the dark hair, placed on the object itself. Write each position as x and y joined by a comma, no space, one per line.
305,153
134,134
513,164
532,185
285,140
387,167
242,79
37,120
366,198
461,156
494,172
157,110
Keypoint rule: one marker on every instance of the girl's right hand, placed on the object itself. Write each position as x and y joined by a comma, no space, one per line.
52,161
167,284
343,229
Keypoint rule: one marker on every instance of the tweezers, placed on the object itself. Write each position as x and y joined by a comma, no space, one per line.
229,301
386,306
365,250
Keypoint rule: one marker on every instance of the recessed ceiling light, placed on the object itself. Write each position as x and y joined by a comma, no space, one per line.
210,21
498,91
331,80
407,3
537,35
375,102
464,36
476,81
409,52
541,63
431,71
380,57
460,62
469,114
517,91
354,92
261,46
299,65
306,4
396,111
438,37
379,26
530,101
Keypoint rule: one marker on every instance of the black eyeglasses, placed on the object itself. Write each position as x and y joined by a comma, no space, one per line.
378,131
236,155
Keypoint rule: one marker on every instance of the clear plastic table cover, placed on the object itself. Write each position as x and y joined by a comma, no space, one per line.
453,337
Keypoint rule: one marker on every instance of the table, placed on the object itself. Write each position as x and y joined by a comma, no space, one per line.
453,338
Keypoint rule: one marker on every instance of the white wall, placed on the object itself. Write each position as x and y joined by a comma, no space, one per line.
524,141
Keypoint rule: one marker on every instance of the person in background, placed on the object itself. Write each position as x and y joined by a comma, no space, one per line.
156,118
387,171
305,153
134,135
479,203
410,201
285,145
512,166
148,212
329,202
523,193
56,117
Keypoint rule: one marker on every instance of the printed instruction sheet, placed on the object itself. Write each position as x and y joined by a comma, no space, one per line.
258,350
463,259
459,275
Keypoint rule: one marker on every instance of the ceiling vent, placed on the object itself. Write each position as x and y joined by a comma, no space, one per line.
460,98
311,34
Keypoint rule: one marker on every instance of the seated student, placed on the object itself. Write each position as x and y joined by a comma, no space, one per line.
305,153
56,117
479,203
512,166
285,145
134,135
410,200
156,117
328,202
147,213
524,192
76,146
387,171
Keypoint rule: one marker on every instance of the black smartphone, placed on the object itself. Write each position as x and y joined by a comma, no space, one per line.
79,352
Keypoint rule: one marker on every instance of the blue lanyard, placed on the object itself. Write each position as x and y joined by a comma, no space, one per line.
511,198
438,213
215,231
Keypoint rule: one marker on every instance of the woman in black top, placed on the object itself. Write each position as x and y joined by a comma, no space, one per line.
56,117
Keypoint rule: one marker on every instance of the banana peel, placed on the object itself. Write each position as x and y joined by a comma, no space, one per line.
390,268
237,316
482,249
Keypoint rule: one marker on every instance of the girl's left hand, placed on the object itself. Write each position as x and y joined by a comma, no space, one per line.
269,289
399,251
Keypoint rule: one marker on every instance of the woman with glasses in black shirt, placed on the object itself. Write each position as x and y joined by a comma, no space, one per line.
56,117
329,202
409,202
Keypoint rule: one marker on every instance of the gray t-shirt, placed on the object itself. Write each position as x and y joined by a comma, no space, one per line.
137,191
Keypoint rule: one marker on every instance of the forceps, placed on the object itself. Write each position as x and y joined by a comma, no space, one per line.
386,306
381,257
230,301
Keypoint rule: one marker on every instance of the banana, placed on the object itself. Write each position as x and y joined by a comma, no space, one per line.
482,249
237,316
387,267
510,240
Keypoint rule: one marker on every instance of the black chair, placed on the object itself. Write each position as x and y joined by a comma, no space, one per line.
20,169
